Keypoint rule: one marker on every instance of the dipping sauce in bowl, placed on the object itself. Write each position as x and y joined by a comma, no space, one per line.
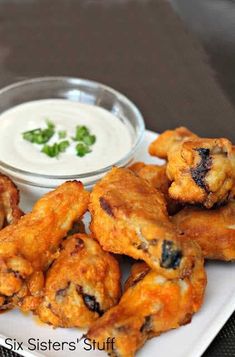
66,106
113,140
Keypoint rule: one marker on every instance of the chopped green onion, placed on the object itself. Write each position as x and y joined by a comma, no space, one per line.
40,136
63,145
55,149
30,135
82,149
81,132
89,139
51,150
62,134
50,124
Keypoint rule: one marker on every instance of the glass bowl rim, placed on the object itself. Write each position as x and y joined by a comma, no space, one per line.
92,84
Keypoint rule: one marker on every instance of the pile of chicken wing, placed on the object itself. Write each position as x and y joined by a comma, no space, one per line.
157,215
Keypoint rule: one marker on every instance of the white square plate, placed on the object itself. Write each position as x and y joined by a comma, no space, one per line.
188,341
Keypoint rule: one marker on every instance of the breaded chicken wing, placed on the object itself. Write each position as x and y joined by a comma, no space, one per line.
28,247
157,177
129,217
83,283
151,305
201,171
213,230
9,201
167,140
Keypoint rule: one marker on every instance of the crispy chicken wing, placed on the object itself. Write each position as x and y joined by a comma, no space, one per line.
213,230
201,171
28,247
151,305
9,201
83,283
129,217
164,142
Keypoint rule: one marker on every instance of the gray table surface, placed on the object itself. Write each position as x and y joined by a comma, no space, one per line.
178,72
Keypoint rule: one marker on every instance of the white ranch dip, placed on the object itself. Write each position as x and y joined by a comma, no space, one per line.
113,138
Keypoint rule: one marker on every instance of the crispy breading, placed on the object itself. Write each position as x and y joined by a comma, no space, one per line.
129,217
28,247
201,171
151,305
213,230
157,177
164,142
154,174
83,283
9,202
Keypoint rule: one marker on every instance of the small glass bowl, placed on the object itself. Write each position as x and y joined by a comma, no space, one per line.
78,90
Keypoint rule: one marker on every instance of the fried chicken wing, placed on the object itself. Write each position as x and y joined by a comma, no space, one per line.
28,247
213,230
9,201
201,171
83,283
167,140
151,305
129,217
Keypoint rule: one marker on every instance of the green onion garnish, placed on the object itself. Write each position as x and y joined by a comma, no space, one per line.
51,150
86,140
50,124
62,134
55,149
81,132
89,139
63,145
40,136
82,149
